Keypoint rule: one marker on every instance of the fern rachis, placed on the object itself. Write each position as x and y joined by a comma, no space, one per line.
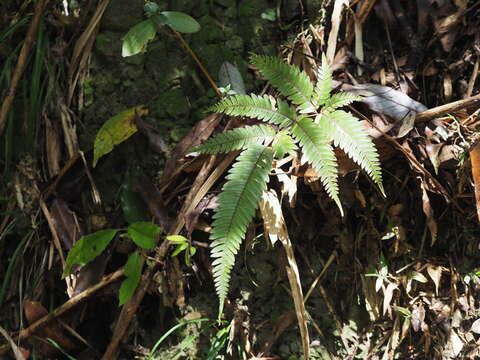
310,125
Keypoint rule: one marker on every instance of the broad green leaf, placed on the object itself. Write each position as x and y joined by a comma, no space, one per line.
88,248
181,22
133,272
137,38
144,234
177,239
116,130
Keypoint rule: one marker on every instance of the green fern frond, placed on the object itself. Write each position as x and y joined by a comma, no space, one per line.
317,151
264,108
237,139
347,132
238,201
324,84
339,100
283,144
294,84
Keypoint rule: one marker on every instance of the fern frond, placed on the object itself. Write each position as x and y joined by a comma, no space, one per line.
340,100
264,108
324,84
283,144
317,151
294,84
237,139
347,132
238,201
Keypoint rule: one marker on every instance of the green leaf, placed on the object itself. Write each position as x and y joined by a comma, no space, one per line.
179,249
317,151
237,139
144,234
133,272
264,108
137,38
294,84
324,84
283,144
238,201
116,130
347,132
151,8
88,248
181,22
177,239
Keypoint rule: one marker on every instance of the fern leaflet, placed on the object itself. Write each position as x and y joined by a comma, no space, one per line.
238,201
294,84
257,107
324,84
317,151
283,144
347,132
339,100
237,139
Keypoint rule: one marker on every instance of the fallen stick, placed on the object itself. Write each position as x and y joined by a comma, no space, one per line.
447,108
74,301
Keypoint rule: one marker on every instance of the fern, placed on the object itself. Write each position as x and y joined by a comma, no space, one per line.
258,107
348,134
237,139
318,151
339,100
289,80
310,125
283,144
324,84
237,204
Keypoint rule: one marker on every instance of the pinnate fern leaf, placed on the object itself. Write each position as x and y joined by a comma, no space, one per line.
347,132
283,144
237,139
294,84
319,153
324,84
238,201
339,100
264,108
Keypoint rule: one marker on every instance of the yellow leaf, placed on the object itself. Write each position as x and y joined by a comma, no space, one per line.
116,130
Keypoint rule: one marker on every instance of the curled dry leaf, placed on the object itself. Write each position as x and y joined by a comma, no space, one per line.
386,100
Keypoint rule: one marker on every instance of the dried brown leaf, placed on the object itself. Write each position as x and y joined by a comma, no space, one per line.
386,100
435,273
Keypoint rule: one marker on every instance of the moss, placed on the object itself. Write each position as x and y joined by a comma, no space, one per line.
172,102
121,15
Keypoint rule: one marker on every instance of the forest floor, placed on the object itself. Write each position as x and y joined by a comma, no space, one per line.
396,277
